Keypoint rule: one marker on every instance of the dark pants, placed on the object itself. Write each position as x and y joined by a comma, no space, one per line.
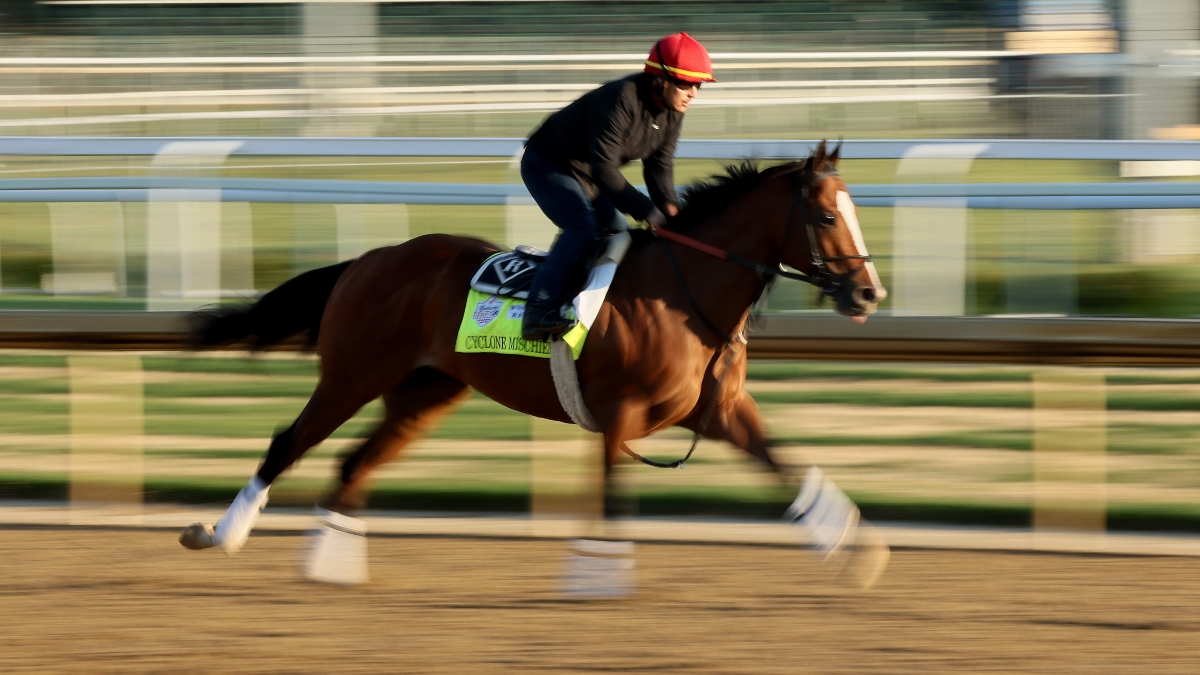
583,223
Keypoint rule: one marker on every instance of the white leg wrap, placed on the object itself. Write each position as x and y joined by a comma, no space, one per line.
232,530
824,514
599,569
337,550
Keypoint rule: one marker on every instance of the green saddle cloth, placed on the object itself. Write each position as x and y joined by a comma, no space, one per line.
491,324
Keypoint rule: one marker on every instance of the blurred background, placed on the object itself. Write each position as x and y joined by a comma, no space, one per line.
1039,167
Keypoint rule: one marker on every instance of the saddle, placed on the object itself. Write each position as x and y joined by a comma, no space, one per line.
509,274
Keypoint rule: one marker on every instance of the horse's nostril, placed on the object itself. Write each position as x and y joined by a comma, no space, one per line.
868,294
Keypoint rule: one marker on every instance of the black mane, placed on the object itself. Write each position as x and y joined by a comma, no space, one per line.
705,197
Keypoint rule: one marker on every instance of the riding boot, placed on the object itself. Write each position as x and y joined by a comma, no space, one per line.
542,323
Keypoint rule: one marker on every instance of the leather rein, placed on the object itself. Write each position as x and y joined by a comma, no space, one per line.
821,278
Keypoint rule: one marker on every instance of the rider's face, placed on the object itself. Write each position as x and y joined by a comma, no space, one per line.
678,95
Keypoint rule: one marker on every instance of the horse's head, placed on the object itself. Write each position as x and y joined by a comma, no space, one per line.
823,238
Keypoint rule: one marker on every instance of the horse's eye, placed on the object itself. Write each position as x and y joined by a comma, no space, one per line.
828,219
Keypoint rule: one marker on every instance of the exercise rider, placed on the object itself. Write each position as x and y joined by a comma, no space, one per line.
572,166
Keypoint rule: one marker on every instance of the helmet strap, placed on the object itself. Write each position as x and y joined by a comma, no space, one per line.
662,63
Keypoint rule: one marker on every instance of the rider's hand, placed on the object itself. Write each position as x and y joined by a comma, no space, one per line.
656,219
672,210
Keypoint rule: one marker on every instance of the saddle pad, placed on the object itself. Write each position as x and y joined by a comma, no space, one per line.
492,325
508,274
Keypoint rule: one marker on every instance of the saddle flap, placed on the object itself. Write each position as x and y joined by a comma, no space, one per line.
508,274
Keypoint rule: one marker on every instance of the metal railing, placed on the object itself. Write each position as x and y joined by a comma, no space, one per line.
803,335
1052,196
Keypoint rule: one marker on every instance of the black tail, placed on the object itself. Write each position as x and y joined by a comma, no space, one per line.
294,307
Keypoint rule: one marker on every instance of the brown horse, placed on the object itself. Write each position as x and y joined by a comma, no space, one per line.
664,350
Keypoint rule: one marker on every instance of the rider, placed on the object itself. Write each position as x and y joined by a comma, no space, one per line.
572,166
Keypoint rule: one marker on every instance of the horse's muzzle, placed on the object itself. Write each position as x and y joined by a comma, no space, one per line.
868,295
857,300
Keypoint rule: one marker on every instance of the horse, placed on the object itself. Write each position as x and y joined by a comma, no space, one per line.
665,350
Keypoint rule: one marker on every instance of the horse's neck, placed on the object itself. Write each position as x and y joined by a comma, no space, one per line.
724,290
751,228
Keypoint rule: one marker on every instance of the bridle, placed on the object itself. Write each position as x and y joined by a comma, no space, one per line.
829,283
821,277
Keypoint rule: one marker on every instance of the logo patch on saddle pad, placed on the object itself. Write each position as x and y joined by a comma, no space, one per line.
487,311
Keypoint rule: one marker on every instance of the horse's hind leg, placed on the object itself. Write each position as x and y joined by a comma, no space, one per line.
335,401
411,408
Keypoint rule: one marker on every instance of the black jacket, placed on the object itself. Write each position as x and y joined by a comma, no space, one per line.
607,128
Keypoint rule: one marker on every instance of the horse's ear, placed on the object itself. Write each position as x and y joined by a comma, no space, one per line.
836,154
818,157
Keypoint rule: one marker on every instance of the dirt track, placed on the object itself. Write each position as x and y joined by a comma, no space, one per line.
136,602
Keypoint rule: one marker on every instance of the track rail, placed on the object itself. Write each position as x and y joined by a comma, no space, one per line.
1026,340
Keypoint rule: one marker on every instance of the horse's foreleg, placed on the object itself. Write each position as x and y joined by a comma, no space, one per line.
822,510
422,400
616,502
742,425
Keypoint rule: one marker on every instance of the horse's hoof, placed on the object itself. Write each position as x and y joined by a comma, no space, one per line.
866,558
597,570
198,536
337,550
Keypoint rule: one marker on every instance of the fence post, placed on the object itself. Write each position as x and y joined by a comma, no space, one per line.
107,433
930,244
1069,446
183,229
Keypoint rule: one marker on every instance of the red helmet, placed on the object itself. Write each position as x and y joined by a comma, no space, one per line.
682,58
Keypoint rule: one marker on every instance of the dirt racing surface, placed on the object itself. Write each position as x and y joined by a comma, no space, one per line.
79,600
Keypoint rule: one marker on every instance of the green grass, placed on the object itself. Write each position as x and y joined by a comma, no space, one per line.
292,387
772,371
973,399
27,387
241,365
990,440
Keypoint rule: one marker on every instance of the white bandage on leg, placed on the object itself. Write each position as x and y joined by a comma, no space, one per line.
234,527
824,513
336,550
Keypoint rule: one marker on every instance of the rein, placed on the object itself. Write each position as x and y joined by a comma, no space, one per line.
819,281
822,278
